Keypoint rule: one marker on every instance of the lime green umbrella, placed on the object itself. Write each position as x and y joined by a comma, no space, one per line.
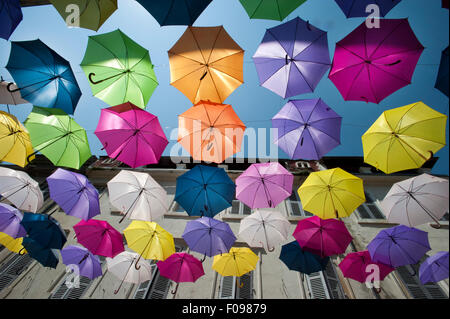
270,9
57,136
119,70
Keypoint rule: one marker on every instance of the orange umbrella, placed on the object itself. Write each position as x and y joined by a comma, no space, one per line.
211,132
206,64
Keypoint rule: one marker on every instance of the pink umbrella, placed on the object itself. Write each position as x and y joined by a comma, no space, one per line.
322,237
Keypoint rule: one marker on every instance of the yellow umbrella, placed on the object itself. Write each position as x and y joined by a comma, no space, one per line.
14,140
404,138
237,262
333,193
13,244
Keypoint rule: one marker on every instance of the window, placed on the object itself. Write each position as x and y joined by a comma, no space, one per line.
12,269
177,208
369,209
295,207
236,287
325,284
415,288
239,208
445,217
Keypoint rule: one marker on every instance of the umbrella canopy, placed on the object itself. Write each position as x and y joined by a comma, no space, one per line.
131,135
297,259
46,256
10,219
357,8
138,195
264,185
372,63
10,98
12,244
292,58
404,138
44,229
237,262
119,70
204,191
399,246
74,194
270,9
322,237
20,189
57,136
442,81
210,132
181,267
175,12
332,193
88,264
208,236
307,129
10,17
99,237
445,4
93,13
434,268
417,201
44,78
354,266
206,64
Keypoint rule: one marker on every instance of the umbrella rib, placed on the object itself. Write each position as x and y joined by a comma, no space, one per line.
382,41
226,57
107,49
214,44
39,58
254,12
353,82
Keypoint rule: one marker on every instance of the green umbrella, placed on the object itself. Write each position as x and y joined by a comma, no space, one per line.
57,136
270,9
119,69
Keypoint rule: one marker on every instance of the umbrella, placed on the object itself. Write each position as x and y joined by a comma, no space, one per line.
208,236
442,81
88,264
298,259
210,132
10,219
332,193
16,144
175,12
206,64
270,9
445,4
322,237
44,229
20,189
417,201
93,13
119,70
44,78
74,194
264,228
237,262
307,129
404,138
292,58
10,98
99,237
57,136
264,185
372,63
434,268
131,135
12,244
399,246
10,17
357,8
204,191
46,256
138,195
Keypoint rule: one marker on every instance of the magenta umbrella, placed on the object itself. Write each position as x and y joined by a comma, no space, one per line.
371,64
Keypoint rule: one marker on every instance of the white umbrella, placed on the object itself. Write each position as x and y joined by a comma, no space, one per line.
417,201
10,98
264,228
138,195
21,190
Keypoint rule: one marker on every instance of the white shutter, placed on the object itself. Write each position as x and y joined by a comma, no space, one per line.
64,292
13,268
415,287
334,285
245,286
144,287
317,286
227,288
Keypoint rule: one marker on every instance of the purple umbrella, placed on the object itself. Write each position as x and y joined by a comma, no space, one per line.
434,268
74,194
357,8
307,129
10,219
88,264
292,58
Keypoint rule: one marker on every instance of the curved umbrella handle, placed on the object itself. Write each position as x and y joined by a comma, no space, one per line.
270,249
204,258
8,87
20,251
436,226
92,80
395,63
136,264
240,285
173,292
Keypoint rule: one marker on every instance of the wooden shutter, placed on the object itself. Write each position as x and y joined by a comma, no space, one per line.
416,288
144,287
227,288
13,268
333,283
246,291
317,286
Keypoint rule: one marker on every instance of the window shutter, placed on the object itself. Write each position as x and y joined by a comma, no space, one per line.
144,287
227,287
246,291
334,285
64,292
317,286
159,288
415,287
13,268
235,206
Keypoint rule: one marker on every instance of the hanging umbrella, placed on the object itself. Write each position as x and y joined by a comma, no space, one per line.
93,13
175,12
99,237
270,9
292,58
12,244
88,264
445,4
47,257
417,201
434,268
204,191
138,195
20,189
210,132
442,81
208,236
357,8
44,229
298,259
10,17
10,98
58,137
332,193
322,237
404,138
10,219
131,135
74,194
237,262
307,129
44,78
119,70
206,64
372,63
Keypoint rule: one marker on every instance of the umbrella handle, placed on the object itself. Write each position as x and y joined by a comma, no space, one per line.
136,264
20,251
392,64
308,25
436,226
8,87
204,258
270,249
377,290
240,285
173,292
204,75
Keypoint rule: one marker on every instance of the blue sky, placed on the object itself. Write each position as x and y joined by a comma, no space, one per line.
254,104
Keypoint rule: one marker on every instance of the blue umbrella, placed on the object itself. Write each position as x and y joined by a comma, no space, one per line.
204,191
44,229
434,268
10,17
43,77
46,256
295,258
442,82
357,8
